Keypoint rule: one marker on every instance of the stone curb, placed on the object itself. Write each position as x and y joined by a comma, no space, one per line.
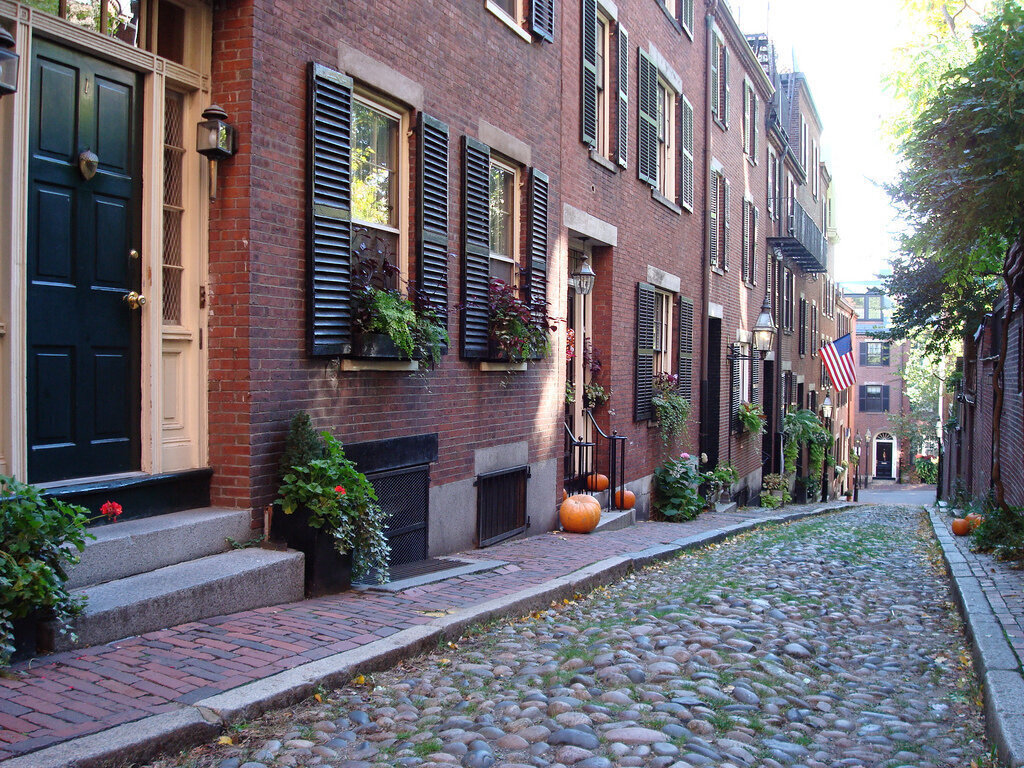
201,721
995,662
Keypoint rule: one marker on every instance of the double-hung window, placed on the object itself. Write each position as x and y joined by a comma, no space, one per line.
656,136
874,398
874,353
662,332
666,140
664,345
377,209
503,184
540,21
751,134
604,84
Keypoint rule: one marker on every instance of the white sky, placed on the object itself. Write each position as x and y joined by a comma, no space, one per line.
844,48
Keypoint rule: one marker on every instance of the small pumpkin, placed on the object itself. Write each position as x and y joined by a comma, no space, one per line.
961,526
580,513
974,519
597,482
565,494
625,499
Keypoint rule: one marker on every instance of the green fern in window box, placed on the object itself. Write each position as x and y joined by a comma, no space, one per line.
751,417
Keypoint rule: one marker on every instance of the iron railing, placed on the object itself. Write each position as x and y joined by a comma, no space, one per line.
578,463
616,462
801,240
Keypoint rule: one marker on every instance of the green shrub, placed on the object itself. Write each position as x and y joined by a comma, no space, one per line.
769,500
675,489
927,470
40,538
1001,531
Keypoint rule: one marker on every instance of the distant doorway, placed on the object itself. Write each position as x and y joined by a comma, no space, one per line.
884,451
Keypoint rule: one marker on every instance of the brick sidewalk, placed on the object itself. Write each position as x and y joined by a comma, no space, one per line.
59,697
1003,586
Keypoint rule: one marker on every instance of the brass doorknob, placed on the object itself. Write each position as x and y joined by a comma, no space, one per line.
134,299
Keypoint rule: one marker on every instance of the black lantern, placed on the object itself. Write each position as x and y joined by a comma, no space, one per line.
215,138
8,63
764,328
826,407
583,278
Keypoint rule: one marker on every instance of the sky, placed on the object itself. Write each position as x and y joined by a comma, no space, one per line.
844,48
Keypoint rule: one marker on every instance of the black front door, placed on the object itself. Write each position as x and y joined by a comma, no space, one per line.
83,244
883,459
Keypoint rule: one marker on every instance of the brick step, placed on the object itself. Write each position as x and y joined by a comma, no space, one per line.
615,519
131,547
228,582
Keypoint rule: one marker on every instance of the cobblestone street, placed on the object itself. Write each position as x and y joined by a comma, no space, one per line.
830,642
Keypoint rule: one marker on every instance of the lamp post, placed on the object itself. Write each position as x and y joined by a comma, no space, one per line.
8,63
826,413
867,458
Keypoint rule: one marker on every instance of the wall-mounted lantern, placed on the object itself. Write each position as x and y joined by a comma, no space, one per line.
215,138
826,407
8,63
764,328
583,278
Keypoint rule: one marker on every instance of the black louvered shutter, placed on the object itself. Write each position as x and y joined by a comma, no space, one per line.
686,135
862,393
588,78
724,217
644,390
476,162
432,213
802,329
755,378
863,353
623,105
734,386
746,241
647,130
542,19
329,215
885,398
684,366
538,247
713,254
688,15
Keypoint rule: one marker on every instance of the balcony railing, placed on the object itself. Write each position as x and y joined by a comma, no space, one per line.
800,239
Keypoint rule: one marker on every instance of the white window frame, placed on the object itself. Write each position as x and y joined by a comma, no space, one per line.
604,39
514,215
667,108
401,188
663,318
515,23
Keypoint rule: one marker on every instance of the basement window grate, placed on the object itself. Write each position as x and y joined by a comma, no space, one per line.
501,505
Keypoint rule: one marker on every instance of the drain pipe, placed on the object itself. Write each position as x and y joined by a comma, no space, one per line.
705,286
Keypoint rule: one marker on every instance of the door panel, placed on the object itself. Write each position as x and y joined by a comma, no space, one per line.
883,463
83,339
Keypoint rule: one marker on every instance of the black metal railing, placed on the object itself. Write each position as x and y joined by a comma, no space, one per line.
616,462
800,239
578,462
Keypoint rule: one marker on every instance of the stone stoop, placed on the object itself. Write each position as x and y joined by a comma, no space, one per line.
155,572
612,519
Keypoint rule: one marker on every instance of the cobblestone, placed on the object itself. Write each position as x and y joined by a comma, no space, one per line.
823,643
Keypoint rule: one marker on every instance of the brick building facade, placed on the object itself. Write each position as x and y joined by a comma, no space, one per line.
647,139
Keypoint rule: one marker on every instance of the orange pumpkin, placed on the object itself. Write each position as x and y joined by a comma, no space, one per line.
961,526
974,519
580,513
597,482
625,499
565,494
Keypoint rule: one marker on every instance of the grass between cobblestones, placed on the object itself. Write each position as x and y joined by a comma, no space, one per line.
861,594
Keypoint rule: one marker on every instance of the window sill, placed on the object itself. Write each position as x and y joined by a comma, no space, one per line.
717,270
507,20
751,159
603,161
668,15
499,367
379,365
720,124
656,195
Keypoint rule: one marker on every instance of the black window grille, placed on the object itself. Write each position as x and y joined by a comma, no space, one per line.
501,504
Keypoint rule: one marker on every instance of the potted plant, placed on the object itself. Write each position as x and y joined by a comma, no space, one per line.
40,538
751,418
671,409
774,491
387,323
716,480
594,395
516,336
337,521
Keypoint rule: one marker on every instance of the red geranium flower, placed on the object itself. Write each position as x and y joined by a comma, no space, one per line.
339,490
111,510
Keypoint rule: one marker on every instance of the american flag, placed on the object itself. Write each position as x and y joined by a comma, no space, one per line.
838,358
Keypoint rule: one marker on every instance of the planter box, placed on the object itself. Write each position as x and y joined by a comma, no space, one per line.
327,572
377,346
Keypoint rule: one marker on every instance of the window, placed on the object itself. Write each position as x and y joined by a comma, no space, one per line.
815,326
602,143
503,185
874,398
541,21
874,353
658,350
662,332
803,145
750,235
358,185
377,206
751,134
596,114
719,81
173,210
814,173
873,307
680,11
858,305
719,220
656,142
